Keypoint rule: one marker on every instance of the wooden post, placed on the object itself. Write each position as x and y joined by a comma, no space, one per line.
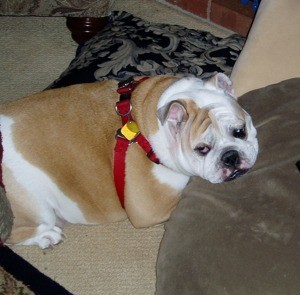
84,28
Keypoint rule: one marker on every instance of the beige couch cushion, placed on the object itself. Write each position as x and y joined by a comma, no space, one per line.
271,53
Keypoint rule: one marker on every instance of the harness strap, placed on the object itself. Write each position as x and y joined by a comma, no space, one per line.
127,135
119,167
1,156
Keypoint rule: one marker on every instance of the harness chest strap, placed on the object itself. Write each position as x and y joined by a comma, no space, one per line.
127,135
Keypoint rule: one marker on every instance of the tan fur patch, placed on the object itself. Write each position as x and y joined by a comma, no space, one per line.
199,119
145,99
197,123
147,202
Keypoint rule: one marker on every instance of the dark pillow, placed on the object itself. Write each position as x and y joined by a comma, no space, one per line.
243,237
130,46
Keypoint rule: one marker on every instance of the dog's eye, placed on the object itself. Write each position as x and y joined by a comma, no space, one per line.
202,150
239,133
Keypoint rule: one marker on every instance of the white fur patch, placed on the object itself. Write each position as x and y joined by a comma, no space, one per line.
167,176
50,201
191,88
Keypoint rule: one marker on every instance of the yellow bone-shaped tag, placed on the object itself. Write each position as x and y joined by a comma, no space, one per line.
130,130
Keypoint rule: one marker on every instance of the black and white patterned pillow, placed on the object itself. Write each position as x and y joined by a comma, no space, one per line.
130,46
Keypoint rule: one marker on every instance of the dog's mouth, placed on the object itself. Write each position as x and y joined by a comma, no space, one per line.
236,174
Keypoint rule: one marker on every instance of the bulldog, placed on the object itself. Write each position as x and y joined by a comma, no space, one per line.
61,162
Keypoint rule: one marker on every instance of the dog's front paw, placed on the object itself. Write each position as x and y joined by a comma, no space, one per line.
46,237
50,238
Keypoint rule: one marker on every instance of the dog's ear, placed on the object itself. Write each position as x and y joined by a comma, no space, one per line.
221,81
174,113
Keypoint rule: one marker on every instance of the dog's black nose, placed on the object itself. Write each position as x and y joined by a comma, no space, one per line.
231,158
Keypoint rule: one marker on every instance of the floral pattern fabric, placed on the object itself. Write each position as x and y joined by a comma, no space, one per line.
130,46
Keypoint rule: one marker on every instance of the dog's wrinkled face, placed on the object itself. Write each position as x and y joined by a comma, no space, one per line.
205,131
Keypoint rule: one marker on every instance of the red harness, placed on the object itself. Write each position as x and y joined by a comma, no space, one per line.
126,135
1,177
1,156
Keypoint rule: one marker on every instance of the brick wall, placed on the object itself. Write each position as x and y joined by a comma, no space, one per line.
230,14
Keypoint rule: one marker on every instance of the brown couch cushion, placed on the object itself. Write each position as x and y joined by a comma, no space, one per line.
243,237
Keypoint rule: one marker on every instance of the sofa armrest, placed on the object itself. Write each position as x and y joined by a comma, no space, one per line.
82,8
85,18
271,52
